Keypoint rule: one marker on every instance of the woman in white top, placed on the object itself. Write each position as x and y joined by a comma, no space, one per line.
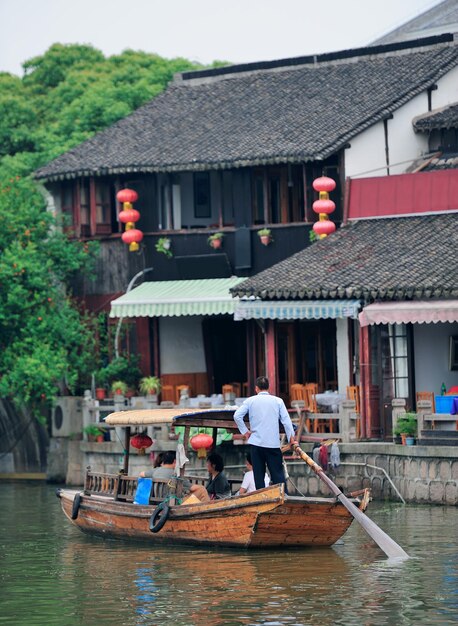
248,480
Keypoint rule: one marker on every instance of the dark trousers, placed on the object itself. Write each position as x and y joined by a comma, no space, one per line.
272,457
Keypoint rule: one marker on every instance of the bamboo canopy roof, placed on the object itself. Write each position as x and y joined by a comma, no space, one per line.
178,415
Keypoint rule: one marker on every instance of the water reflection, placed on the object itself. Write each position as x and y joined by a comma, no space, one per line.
53,574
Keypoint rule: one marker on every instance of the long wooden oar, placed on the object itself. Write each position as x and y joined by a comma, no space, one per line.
388,545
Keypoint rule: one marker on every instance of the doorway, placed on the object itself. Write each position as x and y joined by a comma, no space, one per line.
225,351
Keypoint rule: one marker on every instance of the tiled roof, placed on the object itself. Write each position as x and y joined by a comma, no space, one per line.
290,113
386,259
441,18
444,118
444,161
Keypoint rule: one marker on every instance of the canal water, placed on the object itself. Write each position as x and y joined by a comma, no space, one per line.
52,574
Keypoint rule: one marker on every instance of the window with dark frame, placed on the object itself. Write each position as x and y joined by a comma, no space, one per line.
202,199
67,202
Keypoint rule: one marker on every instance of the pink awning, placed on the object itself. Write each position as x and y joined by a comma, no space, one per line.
419,312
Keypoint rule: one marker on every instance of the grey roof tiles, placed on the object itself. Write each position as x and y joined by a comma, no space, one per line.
282,114
374,259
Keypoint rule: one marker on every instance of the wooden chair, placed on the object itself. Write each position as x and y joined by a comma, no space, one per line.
231,388
178,390
353,394
168,393
311,389
297,392
298,407
237,389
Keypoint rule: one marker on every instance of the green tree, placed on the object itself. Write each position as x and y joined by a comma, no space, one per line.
66,95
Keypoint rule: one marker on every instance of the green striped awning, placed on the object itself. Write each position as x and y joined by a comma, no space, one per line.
296,309
174,298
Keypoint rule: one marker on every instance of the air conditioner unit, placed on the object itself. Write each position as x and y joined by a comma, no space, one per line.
67,416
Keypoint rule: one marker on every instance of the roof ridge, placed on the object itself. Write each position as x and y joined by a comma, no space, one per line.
312,59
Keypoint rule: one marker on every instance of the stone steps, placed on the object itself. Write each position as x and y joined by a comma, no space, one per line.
438,438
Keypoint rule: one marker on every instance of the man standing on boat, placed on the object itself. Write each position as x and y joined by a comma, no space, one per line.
265,413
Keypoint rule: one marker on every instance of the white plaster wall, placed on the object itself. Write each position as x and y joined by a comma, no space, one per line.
366,156
447,90
343,357
181,345
404,144
431,356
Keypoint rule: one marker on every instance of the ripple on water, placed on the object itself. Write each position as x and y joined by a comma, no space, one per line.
53,574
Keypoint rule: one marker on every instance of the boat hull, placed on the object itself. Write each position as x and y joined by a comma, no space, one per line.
265,518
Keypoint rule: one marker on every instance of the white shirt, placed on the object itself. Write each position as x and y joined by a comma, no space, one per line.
248,482
264,412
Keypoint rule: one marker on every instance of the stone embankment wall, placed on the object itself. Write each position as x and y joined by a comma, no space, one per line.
421,474
23,443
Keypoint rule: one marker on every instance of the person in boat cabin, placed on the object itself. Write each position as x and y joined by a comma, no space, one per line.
264,412
165,470
248,485
218,486
159,459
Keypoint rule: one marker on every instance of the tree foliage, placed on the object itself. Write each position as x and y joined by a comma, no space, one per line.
65,96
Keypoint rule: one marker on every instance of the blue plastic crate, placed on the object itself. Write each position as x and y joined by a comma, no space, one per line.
444,403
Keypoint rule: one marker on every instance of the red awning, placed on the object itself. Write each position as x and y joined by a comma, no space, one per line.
420,312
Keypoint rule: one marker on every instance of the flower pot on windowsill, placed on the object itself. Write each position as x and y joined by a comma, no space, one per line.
265,235
410,441
215,240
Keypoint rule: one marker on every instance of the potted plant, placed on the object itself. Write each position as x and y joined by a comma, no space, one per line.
100,393
94,432
265,235
216,240
119,388
406,428
163,244
150,385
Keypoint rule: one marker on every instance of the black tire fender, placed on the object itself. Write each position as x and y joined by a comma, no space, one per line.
76,505
159,517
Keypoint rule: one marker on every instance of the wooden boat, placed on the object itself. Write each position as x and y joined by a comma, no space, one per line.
264,518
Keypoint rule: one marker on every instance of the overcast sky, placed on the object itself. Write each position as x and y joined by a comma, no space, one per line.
199,30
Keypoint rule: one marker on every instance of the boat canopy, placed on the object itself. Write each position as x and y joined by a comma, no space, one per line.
178,415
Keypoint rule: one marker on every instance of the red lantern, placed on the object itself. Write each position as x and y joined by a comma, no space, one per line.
324,206
127,195
141,442
201,443
323,228
129,215
324,184
133,236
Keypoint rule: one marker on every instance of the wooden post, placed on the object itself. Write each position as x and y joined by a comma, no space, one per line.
92,207
271,356
126,450
364,358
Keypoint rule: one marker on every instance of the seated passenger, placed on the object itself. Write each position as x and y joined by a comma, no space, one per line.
218,485
248,480
165,470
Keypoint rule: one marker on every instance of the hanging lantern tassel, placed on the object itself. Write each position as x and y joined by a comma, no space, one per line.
324,206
